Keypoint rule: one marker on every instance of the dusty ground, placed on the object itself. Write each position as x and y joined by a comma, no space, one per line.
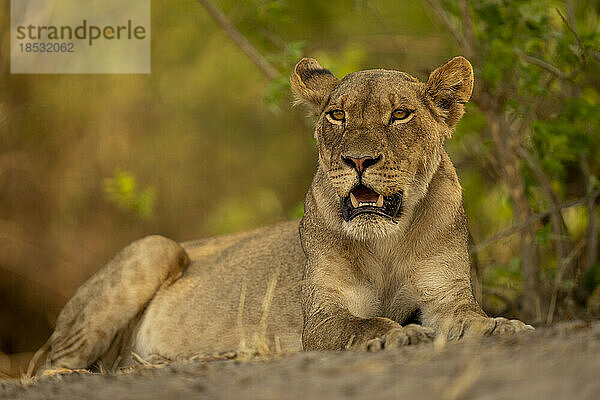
561,362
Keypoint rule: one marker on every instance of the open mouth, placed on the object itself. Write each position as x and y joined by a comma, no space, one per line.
363,200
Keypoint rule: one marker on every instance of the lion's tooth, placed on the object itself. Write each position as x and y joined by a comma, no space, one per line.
353,201
380,201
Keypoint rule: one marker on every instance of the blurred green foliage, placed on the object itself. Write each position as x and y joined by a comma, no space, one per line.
538,68
122,190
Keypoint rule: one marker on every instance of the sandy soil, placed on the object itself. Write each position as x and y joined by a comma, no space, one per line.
561,362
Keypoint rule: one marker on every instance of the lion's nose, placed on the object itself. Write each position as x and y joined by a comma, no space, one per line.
361,163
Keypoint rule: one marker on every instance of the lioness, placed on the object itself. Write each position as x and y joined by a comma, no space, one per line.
382,244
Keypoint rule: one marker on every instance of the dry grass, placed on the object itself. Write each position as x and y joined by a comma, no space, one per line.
261,344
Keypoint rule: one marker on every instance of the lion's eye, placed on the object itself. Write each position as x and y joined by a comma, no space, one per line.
400,115
337,115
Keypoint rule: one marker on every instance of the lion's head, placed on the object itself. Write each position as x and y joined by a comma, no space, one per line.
380,134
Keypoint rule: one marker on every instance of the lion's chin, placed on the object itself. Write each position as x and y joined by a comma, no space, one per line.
369,226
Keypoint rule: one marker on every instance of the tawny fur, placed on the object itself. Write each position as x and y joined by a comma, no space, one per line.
338,284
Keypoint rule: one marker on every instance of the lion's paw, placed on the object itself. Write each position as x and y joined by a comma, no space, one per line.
505,326
484,326
402,336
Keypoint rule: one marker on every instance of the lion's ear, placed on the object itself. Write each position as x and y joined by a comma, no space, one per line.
450,86
312,84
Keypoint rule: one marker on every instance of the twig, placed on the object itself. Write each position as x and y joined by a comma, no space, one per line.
561,239
591,253
467,24
546,66
532,220
561,268
574,32
441,14
265,67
